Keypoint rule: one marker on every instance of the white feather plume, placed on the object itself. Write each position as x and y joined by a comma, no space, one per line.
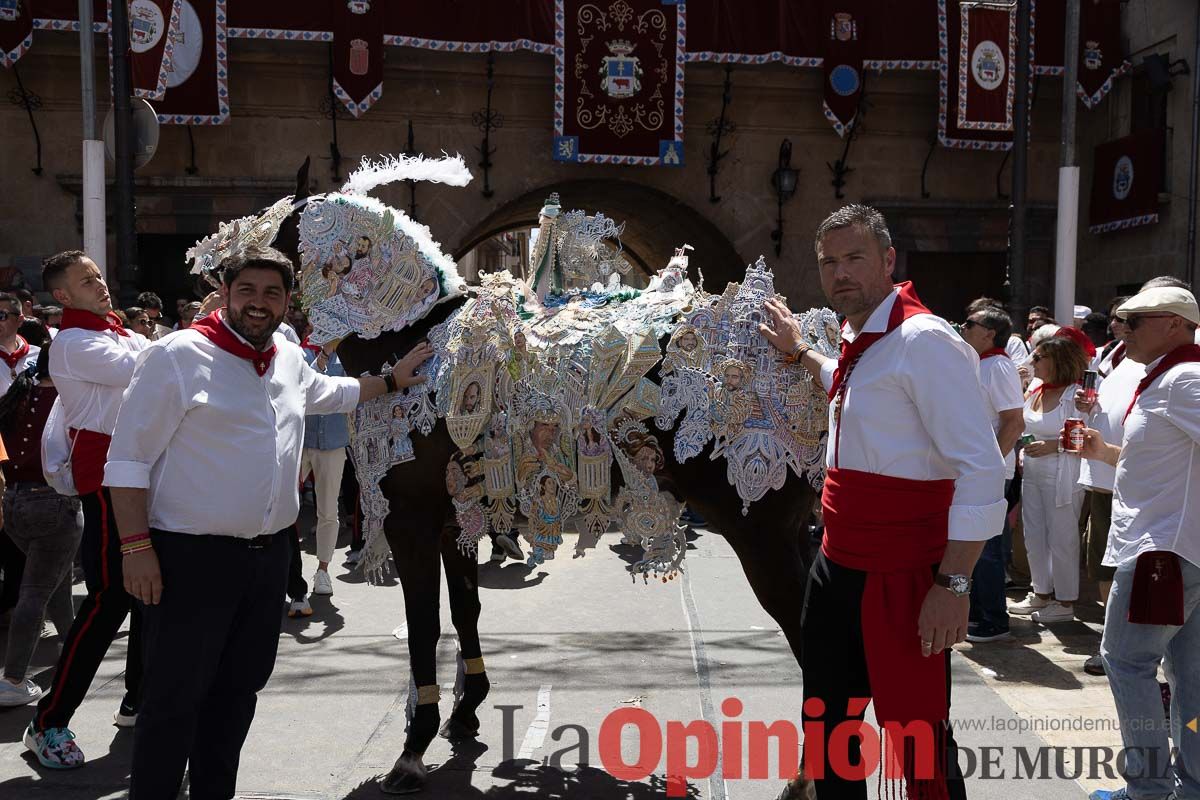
450,170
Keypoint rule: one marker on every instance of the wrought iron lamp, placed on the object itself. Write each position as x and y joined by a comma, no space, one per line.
784,180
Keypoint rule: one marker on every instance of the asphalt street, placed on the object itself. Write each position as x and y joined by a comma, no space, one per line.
566,645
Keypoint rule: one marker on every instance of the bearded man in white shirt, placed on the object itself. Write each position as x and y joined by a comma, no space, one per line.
201,407
91,363
1153,609
914,489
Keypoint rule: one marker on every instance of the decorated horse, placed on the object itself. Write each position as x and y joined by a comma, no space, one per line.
539,386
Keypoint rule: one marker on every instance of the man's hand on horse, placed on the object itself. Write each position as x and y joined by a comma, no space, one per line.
783,329
405,370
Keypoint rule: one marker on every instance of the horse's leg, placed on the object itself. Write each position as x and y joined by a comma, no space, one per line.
471,686
413,537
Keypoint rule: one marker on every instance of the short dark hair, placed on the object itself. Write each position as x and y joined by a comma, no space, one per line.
34,332
1041,311
1096,322
133,311
150,300
856,215
980,303
54,267
996,321
8,297
1166,281
24,295
258,258
1116,302
1067,359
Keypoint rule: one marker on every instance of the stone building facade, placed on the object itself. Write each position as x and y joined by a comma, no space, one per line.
946,207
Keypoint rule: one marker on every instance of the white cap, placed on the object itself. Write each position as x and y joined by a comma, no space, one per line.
1163,299
1081,312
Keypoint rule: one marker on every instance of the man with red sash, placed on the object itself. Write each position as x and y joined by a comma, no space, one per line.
203,467
91,364
1153,612
18,354
913,490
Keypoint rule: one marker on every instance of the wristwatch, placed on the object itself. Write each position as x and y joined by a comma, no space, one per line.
958,585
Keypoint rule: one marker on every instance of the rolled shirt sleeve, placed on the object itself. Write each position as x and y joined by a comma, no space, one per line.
827,370
947,397
325,394
152,408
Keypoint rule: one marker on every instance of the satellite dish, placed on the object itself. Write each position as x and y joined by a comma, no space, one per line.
145,133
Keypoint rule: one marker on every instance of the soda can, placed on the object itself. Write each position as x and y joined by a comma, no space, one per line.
1027,440
1089,385
1073,435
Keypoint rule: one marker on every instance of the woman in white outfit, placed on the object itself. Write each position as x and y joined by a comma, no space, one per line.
1051,497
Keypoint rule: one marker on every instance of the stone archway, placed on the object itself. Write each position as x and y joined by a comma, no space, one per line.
655,224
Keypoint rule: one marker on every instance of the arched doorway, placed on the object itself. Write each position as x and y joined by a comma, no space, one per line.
655,224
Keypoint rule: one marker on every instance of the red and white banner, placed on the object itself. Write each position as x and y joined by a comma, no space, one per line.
153,28
1126,179
618,82
16,30
843,62
1101,58
987,57
197,88
358,53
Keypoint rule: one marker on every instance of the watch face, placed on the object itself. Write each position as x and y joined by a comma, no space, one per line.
960,584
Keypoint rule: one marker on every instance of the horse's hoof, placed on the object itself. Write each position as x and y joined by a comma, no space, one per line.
455,731
407,776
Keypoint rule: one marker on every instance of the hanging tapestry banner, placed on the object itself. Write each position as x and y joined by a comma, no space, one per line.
197,79
1126,178
358,53
1100,51
987,57
618,82
16,30
843,63
153,28
977,73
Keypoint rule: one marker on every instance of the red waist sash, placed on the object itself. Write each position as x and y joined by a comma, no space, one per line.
88,455
895,530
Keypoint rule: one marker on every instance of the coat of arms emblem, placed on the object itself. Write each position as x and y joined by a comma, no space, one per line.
1123,177
10,10
843,27
1093,58
146,25
360,57
620,72
987,65
358,6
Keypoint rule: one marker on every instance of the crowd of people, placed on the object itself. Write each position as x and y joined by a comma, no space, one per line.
951,455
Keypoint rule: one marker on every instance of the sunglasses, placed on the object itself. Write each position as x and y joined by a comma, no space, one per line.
4,315
1133,322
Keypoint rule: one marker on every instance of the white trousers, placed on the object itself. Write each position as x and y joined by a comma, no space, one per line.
326,467
1051,537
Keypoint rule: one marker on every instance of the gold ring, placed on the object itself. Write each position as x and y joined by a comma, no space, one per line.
926,643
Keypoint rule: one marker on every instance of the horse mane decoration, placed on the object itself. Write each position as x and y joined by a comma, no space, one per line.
544,379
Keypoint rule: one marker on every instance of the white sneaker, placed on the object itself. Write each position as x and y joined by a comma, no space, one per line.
322,585
299,608
1054,612
1030,604
24,693
353,556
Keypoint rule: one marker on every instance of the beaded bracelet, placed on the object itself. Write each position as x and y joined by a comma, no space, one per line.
137,537
137,547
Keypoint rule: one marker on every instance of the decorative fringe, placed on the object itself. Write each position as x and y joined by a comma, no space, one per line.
451,170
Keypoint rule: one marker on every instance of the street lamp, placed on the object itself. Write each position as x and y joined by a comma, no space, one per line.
784,180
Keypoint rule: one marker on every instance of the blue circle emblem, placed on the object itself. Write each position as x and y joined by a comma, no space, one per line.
844,80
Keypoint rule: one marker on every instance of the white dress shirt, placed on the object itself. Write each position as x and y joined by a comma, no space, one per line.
1113,396
6,375
1017,350
1156,505
912,408
1001,387
91,370
217,446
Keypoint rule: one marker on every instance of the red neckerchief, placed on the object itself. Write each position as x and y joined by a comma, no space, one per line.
214,329
307,345
78,318
907,305
1180,355
1118,355
14,358
995,351
1041,387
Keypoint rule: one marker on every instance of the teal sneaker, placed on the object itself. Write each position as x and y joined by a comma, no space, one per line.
55,748
1109,794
